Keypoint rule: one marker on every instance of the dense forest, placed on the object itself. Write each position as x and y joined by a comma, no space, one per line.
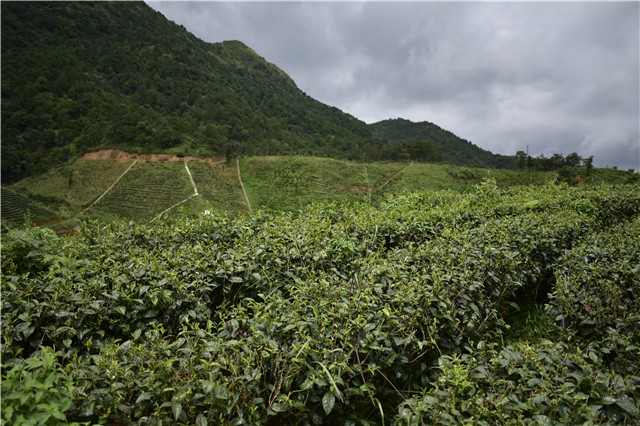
78,76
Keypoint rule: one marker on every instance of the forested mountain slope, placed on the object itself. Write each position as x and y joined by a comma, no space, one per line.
82,75
452,148
78,76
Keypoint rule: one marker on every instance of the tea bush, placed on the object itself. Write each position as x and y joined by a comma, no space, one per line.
541,383
337,314
597,293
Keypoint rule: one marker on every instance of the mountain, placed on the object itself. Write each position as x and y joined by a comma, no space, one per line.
452,148
79,76
82,75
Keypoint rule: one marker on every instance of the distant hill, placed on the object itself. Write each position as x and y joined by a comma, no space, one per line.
452,148
80,76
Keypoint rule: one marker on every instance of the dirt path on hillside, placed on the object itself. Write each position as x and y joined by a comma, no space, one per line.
195,188
242,186
110,187
123,156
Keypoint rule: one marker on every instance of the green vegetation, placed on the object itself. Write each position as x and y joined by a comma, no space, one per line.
290,183
70,188
135,81
497,305
400,133
17,208
276,183
219,190
146,190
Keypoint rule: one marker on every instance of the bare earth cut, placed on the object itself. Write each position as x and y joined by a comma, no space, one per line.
122,156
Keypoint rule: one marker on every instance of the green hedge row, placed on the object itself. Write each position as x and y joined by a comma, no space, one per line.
597,293
338,314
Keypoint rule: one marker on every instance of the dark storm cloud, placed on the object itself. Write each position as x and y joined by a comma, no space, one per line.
556,77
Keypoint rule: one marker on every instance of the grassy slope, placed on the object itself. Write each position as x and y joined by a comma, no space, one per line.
277,183
145,191
17,208
219,189
73,186
288,183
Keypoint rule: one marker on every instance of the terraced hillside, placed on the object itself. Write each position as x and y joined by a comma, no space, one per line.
16,207
219,188
146,190
156,182
72,187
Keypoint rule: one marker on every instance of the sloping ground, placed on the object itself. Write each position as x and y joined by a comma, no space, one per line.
120,155
219,189
146,190
16,207
72,187
289,183
82,187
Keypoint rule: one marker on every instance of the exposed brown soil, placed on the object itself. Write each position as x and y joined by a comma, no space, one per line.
123,156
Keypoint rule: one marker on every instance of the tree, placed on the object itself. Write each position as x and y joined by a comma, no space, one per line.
521,159
557,161
423,151
403,155
572,160
529,162
588,164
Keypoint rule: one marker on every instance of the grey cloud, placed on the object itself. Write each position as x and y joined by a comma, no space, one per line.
559,77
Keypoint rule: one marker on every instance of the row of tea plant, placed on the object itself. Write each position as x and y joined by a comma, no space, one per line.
400,313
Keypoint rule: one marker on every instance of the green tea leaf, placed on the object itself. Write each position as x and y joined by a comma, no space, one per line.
176,407
328,401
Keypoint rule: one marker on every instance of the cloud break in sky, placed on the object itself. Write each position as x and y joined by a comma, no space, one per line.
553,77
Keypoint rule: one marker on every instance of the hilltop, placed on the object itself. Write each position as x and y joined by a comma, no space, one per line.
452,148
81,76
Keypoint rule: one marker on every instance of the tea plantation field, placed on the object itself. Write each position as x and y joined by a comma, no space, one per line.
496,306
16,208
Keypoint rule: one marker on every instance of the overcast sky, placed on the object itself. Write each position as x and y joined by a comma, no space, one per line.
556,77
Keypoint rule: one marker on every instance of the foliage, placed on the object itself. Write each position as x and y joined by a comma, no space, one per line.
28,250
37,391
396,313
70,188
277,183
16,207
134,80
555,162
525,384
449,148
147,190
598,291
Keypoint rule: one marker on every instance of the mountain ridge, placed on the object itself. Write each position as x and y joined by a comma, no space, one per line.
81,76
